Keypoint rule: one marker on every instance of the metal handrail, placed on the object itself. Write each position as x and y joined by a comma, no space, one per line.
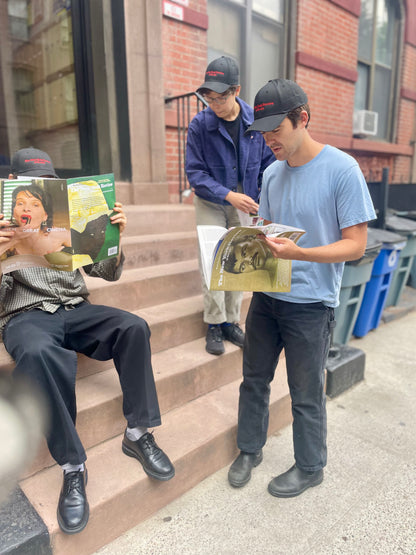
184,116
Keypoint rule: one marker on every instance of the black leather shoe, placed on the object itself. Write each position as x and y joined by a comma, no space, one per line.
215,344
234,334
154,461
240,471
73,510
294,482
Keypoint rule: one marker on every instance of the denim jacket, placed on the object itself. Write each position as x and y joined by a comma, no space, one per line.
211,157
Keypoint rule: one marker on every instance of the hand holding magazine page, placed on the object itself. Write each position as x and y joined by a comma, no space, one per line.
239,259
58,223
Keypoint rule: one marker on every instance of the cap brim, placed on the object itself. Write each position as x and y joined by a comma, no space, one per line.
215,86
38,173
266,124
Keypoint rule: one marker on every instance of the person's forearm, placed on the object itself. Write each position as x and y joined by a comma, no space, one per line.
341,251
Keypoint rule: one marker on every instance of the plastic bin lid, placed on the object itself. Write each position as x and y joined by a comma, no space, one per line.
406,213
384,236
372,249
373,242
401,225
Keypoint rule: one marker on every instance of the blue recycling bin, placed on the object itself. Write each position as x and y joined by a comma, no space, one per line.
354,279
376,290
407,228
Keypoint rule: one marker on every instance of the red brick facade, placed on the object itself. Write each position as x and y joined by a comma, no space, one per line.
325,66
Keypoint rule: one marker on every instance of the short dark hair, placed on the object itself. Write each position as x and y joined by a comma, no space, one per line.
294,115
39,193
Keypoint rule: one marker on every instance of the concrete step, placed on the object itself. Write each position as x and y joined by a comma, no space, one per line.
156,219
199,437
171,324
147,250
143,287
182,374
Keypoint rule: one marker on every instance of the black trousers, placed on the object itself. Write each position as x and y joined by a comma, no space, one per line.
44,347
303,330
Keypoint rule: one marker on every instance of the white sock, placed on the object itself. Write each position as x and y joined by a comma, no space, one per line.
133,434
72,467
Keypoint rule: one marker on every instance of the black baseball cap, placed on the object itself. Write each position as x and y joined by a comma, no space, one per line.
274,101
221,74
32,162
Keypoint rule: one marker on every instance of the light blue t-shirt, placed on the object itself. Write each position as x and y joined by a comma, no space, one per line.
324,196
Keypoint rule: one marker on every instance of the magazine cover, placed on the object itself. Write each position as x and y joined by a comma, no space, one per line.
240,260
58,223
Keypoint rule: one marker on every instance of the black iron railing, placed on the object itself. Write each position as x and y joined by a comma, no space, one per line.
187,105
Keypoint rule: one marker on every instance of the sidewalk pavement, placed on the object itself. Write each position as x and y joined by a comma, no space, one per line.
366,503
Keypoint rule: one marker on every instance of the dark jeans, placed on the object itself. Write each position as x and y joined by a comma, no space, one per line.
44,347
303,330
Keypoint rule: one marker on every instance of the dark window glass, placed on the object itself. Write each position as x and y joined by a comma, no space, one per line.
255,34
378,51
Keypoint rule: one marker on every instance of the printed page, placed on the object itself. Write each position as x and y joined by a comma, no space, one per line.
38,212
91,202
244,262
208,237
280,230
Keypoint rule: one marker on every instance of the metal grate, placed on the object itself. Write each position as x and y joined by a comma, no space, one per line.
187,105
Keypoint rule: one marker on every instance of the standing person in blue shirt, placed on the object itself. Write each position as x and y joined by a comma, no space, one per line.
322,190
224,167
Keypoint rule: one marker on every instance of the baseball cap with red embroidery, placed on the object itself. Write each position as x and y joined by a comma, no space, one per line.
32,162
221,74
274,101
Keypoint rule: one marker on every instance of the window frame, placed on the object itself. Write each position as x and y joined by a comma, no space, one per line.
247,15
391,113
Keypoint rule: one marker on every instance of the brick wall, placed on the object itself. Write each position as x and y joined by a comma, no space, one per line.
184,62
325,66
372,166
326,55
328,32
327,44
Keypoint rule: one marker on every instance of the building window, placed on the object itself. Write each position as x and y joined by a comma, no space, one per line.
254,32
38,92
378,51
60,89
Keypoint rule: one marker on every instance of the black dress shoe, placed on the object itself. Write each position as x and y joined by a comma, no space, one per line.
240,471
154,461
234,334
294,482
214,341
73,510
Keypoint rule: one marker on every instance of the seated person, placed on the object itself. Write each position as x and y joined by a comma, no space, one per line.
50,310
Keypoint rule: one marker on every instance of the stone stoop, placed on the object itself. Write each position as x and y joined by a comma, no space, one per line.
198,392
200,439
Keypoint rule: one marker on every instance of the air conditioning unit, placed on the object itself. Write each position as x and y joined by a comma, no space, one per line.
365,122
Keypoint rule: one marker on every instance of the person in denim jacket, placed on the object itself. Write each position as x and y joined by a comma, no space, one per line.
224,167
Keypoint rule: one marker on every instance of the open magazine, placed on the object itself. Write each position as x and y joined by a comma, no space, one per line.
58,223
238,259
